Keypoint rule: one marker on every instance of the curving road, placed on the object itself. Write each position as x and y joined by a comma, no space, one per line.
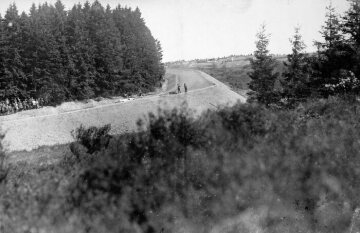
193,79
51,126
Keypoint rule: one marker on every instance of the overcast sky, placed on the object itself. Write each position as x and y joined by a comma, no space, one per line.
191,29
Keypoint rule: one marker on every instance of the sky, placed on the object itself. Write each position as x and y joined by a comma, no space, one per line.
190,29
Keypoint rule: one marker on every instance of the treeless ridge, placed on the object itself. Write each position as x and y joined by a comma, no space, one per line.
52,126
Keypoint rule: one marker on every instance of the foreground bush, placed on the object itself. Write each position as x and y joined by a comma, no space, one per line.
93,138
294,170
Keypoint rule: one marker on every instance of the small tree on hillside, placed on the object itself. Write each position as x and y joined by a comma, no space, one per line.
296,76
331,31
262,75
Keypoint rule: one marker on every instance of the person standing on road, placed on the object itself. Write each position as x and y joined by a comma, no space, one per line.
179,91
185,87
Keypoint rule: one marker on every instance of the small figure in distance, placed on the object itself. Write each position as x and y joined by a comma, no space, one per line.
185,87
179,91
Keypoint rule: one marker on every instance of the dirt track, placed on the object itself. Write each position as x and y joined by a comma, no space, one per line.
51,126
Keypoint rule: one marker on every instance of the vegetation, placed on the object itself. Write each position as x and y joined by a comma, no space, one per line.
92,138
86,52
296,76
289,158
200,171
333,70
262,75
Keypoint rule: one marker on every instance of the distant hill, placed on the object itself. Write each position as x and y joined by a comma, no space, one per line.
228,61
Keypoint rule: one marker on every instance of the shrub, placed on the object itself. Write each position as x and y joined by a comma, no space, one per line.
301,164
93,138
230,160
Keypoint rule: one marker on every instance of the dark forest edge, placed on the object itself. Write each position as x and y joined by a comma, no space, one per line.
89,51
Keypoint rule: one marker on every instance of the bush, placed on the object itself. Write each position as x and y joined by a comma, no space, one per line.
93,138
301,164
230,160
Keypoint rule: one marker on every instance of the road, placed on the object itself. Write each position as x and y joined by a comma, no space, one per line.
51,126
191,78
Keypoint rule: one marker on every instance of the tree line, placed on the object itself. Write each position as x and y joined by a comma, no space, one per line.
333,70
88,51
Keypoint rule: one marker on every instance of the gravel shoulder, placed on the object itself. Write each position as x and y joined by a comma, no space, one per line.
52,126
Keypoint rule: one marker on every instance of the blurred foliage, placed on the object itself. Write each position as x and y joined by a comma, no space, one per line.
93,138
303,164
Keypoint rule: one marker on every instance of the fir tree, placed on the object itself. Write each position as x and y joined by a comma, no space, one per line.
351,25
86,52
262,75
351,28
333,57
12,77
81,75
331,31
296,76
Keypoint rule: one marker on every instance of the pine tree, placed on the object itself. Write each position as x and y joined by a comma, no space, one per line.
351,25
107,39
331,31
31,47
161,68
86,52
60,52
296,77
112,52
143,68
81,68
3,44
24,38
262,75
12,77
334,56
351,28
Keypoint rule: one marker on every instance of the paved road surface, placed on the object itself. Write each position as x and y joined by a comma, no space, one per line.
193,80
51,126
